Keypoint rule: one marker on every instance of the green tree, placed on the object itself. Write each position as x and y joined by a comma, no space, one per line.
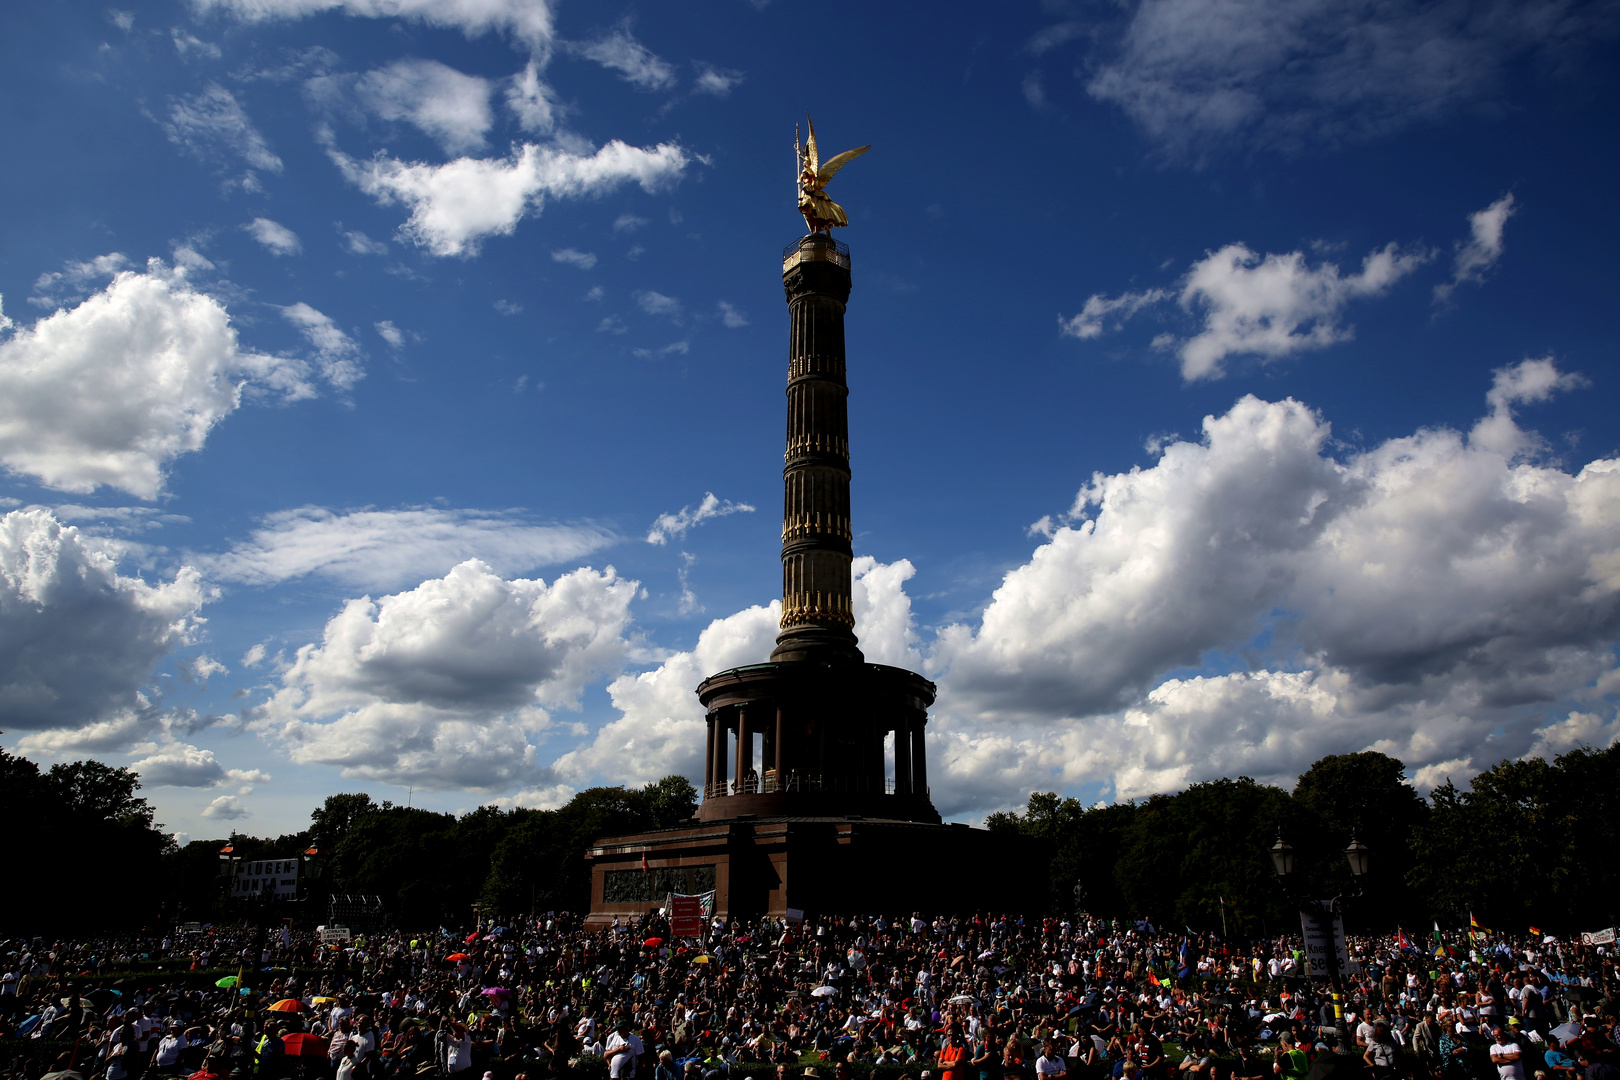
97,838
1519,846
1364,796
93,791
333,819
1188,855
1077,845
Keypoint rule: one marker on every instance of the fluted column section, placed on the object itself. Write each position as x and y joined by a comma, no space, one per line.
708,759
818,615
919,756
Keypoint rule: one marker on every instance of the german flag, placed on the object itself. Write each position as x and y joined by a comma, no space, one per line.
1536,932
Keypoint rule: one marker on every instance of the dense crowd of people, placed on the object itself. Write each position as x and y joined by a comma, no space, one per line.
951,998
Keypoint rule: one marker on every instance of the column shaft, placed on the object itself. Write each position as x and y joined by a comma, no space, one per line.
708,758
818,614
919,757
745,748
902,757
781,752
722,736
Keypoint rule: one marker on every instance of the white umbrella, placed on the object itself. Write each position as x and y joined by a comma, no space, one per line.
961,999
824,991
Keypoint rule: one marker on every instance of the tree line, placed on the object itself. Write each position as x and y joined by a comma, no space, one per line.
1525,842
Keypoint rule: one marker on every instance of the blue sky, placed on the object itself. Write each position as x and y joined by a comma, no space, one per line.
391,394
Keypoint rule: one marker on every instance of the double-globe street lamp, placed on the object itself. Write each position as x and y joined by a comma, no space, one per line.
1326,912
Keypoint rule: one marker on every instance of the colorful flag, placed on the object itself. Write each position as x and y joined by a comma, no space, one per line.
1404,942
644,867
1536,932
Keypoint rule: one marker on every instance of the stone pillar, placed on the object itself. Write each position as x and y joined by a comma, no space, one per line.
902,756
722,735
708,758
875,768
818,615
821,751
745,748
781,753
919,756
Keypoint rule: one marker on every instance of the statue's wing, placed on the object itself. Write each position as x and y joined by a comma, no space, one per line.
825,173
810,145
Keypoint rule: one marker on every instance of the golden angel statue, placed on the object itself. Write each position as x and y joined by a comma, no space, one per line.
820,212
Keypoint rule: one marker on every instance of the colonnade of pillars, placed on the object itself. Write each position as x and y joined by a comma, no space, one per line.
793,756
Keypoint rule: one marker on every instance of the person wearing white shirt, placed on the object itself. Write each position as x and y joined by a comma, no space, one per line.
169,1049
1505,1055
457,1050
623,1050
1049,1066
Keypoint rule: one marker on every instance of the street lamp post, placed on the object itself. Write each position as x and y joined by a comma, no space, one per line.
1357,855
228,862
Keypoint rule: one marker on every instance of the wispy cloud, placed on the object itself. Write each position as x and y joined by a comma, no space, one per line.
379,549
1477,256
213,123
276,238
337,354
656,303
716,82
634,62
675,526
582,259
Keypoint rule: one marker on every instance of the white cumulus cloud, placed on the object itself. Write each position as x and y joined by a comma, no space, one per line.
110,392
1432,597
660,728
77,639
184,765
225,808
455,206
1276,306
443,686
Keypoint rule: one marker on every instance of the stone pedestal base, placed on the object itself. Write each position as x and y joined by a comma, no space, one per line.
818,865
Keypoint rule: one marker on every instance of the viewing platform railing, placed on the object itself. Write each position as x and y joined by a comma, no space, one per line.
799,781
811,250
